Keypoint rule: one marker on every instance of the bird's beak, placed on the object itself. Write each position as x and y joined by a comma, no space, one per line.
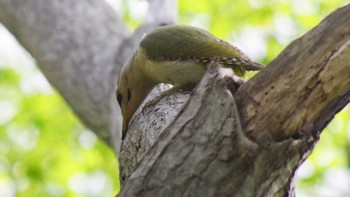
125,128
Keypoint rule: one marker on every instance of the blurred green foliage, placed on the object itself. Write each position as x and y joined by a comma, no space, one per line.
45,151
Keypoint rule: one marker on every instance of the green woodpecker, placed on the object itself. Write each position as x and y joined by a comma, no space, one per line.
177,55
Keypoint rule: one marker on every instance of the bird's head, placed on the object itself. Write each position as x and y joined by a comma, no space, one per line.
132,89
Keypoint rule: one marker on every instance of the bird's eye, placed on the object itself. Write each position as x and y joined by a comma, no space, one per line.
119,98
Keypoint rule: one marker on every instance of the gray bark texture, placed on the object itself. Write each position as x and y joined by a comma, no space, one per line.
247,142
220,140
81,46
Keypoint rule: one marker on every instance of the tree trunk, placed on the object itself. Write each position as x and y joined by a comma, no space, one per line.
249,142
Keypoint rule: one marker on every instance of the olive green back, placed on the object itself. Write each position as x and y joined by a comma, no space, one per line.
180,42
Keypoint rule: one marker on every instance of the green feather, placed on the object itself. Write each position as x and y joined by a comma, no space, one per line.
181,42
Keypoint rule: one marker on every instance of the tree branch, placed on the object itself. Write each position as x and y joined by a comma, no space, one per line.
204,152
81,46
300,91
282,111
74,44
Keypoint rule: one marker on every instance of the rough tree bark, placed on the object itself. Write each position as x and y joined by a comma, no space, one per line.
221,143
249,142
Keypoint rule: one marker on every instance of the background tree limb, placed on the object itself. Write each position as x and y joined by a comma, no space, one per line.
81,47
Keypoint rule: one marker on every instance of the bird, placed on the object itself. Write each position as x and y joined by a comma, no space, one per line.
178,55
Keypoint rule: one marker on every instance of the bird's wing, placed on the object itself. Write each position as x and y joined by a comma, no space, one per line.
180,41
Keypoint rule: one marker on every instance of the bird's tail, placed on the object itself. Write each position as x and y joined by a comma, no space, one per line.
246,63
